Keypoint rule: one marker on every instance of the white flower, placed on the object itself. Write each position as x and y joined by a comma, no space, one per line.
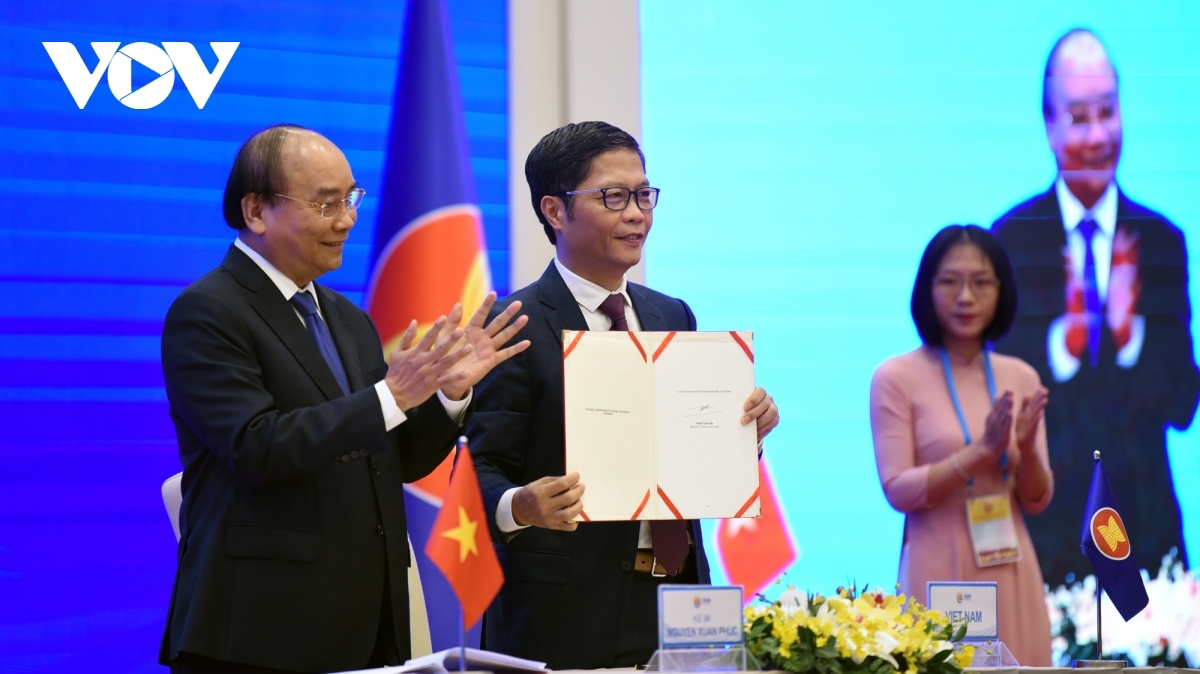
793,600
883,646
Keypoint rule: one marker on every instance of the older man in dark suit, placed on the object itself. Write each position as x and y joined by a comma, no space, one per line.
1105,318
295,433
578,596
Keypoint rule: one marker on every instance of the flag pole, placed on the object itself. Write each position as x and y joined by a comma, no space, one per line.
462,639
462,618
1099,623
1099,604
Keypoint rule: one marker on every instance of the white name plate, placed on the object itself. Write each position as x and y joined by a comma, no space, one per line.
974,602
699,615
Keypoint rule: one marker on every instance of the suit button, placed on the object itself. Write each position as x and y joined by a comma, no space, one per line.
379,529
375,470
626,566
354,454
345,458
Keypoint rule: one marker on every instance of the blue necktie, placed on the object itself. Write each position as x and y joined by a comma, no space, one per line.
1091,293
317,329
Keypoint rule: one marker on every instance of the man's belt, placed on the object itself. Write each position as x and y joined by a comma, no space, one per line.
646,563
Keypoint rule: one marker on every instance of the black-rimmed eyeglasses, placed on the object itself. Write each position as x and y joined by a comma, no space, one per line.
617,198
331,208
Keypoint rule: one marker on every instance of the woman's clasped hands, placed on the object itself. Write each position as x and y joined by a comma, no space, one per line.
1002,424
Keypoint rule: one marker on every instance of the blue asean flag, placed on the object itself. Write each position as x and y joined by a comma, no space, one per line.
429,250
1106,545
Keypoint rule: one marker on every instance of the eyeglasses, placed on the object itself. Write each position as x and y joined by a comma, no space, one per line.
617,198
952,286
1081,115
331,208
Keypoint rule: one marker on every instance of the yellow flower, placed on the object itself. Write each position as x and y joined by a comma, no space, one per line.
873,624
964,657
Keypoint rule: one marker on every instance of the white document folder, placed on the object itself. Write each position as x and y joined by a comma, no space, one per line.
653,424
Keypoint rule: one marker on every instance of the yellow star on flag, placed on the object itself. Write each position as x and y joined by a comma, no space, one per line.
464,534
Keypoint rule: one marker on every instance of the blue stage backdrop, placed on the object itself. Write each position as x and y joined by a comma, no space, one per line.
808,151
115,207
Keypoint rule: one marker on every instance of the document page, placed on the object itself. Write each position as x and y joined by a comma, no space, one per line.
653,424
707,460
609,406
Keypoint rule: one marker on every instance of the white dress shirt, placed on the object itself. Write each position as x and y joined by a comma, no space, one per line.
589,296
1062,364
393,416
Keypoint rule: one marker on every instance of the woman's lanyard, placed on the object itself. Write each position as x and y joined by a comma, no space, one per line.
962,419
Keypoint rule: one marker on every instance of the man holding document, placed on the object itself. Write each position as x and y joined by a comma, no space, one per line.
579,594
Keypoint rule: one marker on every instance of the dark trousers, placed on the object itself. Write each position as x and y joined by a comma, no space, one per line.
638,636
383,654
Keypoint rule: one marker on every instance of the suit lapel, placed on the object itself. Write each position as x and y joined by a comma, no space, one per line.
343,338
1126,216
648,313
268,303
562,309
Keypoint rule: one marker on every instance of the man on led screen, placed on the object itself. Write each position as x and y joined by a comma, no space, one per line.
578,596
1104,316
296,434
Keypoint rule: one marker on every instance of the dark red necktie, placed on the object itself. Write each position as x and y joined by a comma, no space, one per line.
669,536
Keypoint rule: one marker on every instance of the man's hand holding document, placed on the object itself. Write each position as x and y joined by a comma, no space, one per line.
654,424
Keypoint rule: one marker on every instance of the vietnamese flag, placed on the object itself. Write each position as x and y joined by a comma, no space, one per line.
756,550
460,544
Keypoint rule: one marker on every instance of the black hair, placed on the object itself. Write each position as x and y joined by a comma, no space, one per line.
256,170
923,312
1047,106
563,158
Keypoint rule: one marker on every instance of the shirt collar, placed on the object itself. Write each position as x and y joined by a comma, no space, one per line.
588,294
1073,212
286,285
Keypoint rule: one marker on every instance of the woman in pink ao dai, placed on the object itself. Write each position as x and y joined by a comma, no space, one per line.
965,297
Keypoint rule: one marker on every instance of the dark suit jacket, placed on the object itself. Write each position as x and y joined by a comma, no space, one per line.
1121,412
560,599
293,509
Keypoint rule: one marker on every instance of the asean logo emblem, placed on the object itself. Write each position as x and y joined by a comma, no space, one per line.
1108,534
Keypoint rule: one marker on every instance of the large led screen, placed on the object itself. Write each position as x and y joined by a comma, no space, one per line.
807,152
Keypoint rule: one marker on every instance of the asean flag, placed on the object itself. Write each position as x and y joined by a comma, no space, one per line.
755,551
1106,544
429,250
460,544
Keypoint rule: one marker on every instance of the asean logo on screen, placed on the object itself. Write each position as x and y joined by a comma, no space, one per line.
165,61
1108,534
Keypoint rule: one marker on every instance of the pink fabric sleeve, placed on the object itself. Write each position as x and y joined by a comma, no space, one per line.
904,483
1043,453
1031,383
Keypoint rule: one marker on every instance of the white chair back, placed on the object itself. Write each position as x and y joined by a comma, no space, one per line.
172,493
418,619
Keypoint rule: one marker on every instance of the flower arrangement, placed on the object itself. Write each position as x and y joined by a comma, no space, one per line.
871,633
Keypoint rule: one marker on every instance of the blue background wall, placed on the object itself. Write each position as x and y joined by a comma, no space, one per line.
808,151
111,212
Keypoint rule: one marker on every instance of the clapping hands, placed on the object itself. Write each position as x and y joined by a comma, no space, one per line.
1000,427
450,358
